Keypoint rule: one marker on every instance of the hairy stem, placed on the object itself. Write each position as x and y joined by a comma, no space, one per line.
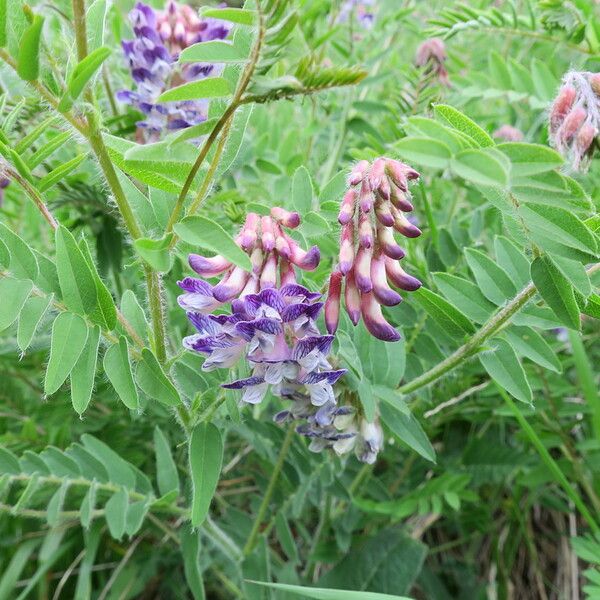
252,539
489,328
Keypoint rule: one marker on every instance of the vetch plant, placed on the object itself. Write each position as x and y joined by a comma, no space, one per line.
214,382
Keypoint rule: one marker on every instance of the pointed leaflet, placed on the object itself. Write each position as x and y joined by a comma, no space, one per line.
118,370
425,152
152,380
23,264
407,429
206,456
504,367
115,513
166,470
327,593
212,52
480,167
29,319
76,279
119,470
493,282
84,372
556,291
13,294
454,322
465,295
105,312
134,313
529,343
512,260
463,124
302,190
190,552
209,235
211,87
69,334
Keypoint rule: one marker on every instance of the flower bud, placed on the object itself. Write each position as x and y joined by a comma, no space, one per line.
352,298
285,217
399,277
286,273
562,105
384,294
346,255
387,243
358,172
348,207
365,231
383,211
362,269
268,277
267,237
375,321
208,267
249,233
366,197
231,287
332,304
595,83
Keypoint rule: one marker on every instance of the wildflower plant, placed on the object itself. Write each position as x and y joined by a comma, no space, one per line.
278,304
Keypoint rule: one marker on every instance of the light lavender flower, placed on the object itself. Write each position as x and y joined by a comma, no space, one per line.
508,133
152,56
362,10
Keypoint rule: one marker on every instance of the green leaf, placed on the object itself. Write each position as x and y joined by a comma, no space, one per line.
3,37
480,167
28,60
407,429
153,382
493,282
119,470
134,313
105,312
235,15
96,23
190,552
592,307
446,314
575,272
20,558
512,260
327,593
209,235
17,292
118,370
463,124
80,76
211,87
56,175
84,372
529,159
166,470
74,274
388,562
560,225
302,190
206,456
426,152
23,264
529,343
556,291
465,295
115,513
212,52
69,334
155,252
9,462
504,367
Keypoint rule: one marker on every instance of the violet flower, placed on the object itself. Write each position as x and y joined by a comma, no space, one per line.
362,10
372,209
574,121
152,57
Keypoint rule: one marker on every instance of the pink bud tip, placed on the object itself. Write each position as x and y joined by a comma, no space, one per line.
405,227
573,121
285,217
358,172
232,286
347,208
268,277
332,304
286,272
308,261
267,237
362,269
399,277
377,173
387,242
374,320
400,199
366,197
562,105
346,255
249,233
383,292
384,213
365,231
208,267
352,298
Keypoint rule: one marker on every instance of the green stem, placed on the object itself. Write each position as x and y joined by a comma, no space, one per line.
156,314
488,329
550,462
80,28
252,539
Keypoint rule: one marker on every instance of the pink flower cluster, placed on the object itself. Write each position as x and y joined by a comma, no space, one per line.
575,117
372,209
271,251
432,55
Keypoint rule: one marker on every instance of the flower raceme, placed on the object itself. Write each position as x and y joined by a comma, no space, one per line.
431,55
152,55
372,209
575,117
272,251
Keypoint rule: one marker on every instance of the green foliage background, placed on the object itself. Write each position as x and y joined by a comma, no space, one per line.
125,472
